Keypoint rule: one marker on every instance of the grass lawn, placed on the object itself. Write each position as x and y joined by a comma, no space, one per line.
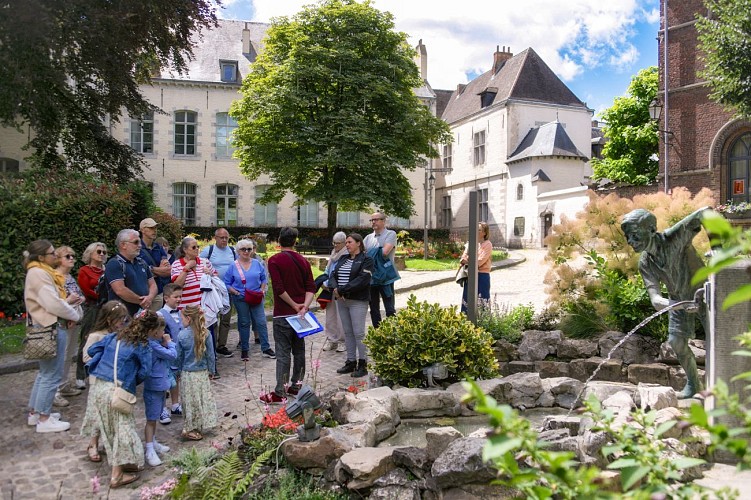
11,338
419,264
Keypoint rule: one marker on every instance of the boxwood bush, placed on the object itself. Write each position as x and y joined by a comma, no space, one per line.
422,334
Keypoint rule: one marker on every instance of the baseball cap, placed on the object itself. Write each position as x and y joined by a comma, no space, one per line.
148,222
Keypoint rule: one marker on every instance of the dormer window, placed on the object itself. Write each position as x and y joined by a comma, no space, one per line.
229,71
487,96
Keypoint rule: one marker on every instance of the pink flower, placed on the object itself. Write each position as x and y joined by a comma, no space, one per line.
217,446
266,407
316,364
95,485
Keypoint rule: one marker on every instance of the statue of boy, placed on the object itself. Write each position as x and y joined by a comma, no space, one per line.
670,258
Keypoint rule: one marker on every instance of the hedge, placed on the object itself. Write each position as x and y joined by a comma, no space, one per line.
207,232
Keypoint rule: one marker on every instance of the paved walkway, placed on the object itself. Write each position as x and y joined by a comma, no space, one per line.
49,466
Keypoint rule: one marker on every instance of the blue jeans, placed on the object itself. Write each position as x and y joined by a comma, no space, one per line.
49,377
247,314
483,289
385,292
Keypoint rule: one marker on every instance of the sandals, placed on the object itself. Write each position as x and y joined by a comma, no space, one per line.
132,468
93,452
122,480
191,435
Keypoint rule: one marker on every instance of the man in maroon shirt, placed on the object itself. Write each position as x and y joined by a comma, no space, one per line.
294,289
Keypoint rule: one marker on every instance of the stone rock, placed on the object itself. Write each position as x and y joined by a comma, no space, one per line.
654,397
576,349
666,415
677,377
653,373
438,439
565,390
365,465
521,390
461,463
590,444
637,348
377,406
520,367
394,493
341,404
537,345
479,492
395,477
559,440
667,355
619,401
422,403
490,387
413,459
503,369
571,424
505,351
550,369
334,442
611,371
603,390
676,450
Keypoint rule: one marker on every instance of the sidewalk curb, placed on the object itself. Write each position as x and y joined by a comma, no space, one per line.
17,363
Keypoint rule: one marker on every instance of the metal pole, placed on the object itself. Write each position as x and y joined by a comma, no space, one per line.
425,230
472,264
666,125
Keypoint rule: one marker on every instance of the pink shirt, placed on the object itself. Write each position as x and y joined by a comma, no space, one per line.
192,286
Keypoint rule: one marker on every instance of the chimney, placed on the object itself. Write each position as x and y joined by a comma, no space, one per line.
500,57
460,88
421,59
595,123
246,39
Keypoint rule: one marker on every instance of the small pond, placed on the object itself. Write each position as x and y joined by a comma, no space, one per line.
411,432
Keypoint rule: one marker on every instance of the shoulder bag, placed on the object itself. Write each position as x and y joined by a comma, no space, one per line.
122,401
462,274
253,298
40,341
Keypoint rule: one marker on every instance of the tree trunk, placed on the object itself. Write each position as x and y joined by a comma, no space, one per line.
331,218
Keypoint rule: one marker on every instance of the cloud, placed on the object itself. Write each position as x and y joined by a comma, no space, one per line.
574,38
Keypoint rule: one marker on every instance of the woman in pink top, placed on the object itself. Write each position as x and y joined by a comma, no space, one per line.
187,271
484,255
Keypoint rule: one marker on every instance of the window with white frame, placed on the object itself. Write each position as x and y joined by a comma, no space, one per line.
482,199
307,214
225,127
185,132
264,215
184,202
399,222
348,219
479,148
226,204
520,191
142,133
446,215
228,70
447,154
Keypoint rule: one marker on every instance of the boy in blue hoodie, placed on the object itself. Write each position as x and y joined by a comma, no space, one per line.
173,324
163,354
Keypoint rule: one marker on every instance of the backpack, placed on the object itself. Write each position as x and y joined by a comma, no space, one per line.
103,288
211,250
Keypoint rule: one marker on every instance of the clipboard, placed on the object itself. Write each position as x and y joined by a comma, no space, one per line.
307,325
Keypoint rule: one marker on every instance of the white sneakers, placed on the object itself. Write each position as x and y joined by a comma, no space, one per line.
80,384
341,347
52,424
60,401
152,458
329,345
160,448
33,418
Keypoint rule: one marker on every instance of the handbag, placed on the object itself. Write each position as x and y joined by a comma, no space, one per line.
40,341
462,274
122,401
252,297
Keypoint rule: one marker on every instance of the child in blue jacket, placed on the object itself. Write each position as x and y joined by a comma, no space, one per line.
163,354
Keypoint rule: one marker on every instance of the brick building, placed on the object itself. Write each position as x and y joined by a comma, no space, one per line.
706,145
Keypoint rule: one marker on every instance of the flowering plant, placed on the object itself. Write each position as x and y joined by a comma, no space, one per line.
733,208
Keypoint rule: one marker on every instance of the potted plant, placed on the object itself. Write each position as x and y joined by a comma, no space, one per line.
733,210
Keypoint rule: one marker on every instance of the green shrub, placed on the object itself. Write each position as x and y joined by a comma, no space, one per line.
169,227
142,195
422,334
294,485
70,209
505,323
583,319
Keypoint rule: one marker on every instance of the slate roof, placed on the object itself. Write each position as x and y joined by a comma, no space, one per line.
548,140
442,100
223,43
524,76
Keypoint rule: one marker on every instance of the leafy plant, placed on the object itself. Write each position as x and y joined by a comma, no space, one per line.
225,479
189,461
294,485
505,323
582,319
422,334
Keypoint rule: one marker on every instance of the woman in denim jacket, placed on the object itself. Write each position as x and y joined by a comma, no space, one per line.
195,360
118,431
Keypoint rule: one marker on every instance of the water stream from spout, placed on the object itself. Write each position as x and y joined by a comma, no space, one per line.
616,346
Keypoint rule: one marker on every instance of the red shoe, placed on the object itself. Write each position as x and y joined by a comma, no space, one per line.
294,389
271,397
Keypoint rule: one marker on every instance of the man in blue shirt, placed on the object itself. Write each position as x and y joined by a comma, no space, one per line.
221,256
128,276
155,256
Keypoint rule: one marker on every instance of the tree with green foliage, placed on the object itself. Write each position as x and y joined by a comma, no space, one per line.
630,153
329,113
725,40
67,67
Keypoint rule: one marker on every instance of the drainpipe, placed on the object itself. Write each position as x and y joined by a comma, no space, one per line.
666,126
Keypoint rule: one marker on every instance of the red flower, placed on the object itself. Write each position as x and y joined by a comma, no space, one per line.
2,315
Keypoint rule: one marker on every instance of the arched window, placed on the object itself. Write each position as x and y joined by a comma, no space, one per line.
226,204
739,168
184,202
520,191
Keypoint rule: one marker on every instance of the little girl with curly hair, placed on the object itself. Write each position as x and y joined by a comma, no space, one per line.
195,360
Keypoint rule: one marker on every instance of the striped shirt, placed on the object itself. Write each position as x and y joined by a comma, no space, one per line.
343,272
192,286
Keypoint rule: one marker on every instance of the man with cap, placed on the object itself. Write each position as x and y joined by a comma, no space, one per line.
156,257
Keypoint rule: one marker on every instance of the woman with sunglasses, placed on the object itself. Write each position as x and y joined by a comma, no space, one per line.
334,331
249,273
187,271
47,305
66,260
94,258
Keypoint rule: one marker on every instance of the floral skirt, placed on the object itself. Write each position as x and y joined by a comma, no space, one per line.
117,432
198,402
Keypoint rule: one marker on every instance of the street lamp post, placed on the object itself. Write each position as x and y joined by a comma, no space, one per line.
429,184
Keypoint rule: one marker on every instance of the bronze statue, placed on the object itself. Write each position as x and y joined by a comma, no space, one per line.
669,258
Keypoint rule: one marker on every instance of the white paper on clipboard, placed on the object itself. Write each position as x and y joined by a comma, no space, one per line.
306,325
